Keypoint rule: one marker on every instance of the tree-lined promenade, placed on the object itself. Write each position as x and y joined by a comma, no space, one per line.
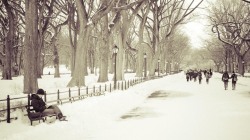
83,33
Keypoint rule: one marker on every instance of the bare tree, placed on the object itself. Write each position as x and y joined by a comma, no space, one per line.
85,14
165,15
9,41
10,20
216,52
30,47
231,24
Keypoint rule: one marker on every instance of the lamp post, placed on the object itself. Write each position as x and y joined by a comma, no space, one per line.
158,67
177,67
115,51
170,67
218,67
243,63
145,65
166,67
233,66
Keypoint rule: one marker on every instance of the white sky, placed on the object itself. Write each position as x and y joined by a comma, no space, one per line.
189,112
197,29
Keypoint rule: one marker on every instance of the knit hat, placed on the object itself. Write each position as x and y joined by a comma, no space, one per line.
40,92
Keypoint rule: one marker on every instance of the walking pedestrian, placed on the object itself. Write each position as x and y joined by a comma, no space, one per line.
234,80
208,76
200,76
225,78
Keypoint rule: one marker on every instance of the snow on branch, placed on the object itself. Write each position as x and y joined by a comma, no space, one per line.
128,6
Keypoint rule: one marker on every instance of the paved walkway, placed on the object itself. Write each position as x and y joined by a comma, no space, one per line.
188,111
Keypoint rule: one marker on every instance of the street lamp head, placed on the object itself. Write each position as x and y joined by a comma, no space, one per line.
158,60
243,62
145,55
115,49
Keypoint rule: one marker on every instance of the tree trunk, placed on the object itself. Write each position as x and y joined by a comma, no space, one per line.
56,57
240,65
39,57
72,60
104,51
78,78
120,63
29,59
9,42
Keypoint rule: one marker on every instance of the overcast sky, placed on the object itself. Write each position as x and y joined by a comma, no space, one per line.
197,29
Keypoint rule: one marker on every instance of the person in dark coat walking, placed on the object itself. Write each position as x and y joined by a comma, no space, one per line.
187,76
40,106
225,78
208,76
234,80
200,76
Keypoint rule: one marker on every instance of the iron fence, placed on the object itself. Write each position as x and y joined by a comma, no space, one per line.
9,105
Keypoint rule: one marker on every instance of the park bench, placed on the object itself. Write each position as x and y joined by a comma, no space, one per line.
36,116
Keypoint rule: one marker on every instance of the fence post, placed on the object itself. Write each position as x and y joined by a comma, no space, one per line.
79,92
105,87
58,96
110,87
100,88
45,97
122,85
125,85
118,85
8,108
87,91
69,95
28,100
93,90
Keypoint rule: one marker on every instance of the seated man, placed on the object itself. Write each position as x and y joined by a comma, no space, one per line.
40,106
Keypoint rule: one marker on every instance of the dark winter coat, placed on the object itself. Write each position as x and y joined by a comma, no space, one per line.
38,104
199,75
225,77
234,78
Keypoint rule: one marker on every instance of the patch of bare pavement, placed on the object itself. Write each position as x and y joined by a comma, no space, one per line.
159,94
146,110
141,112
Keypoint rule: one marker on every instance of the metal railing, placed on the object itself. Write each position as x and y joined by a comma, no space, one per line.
8,105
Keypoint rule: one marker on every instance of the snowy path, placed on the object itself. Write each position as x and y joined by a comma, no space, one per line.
177,110
200,113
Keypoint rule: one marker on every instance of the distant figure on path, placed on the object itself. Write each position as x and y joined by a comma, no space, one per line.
208,76
234,80
187,76
199,76
40,106
225,78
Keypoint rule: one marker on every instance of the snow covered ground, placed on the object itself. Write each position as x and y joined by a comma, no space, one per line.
160,109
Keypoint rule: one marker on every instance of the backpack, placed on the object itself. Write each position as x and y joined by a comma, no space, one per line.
235,78
225,77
